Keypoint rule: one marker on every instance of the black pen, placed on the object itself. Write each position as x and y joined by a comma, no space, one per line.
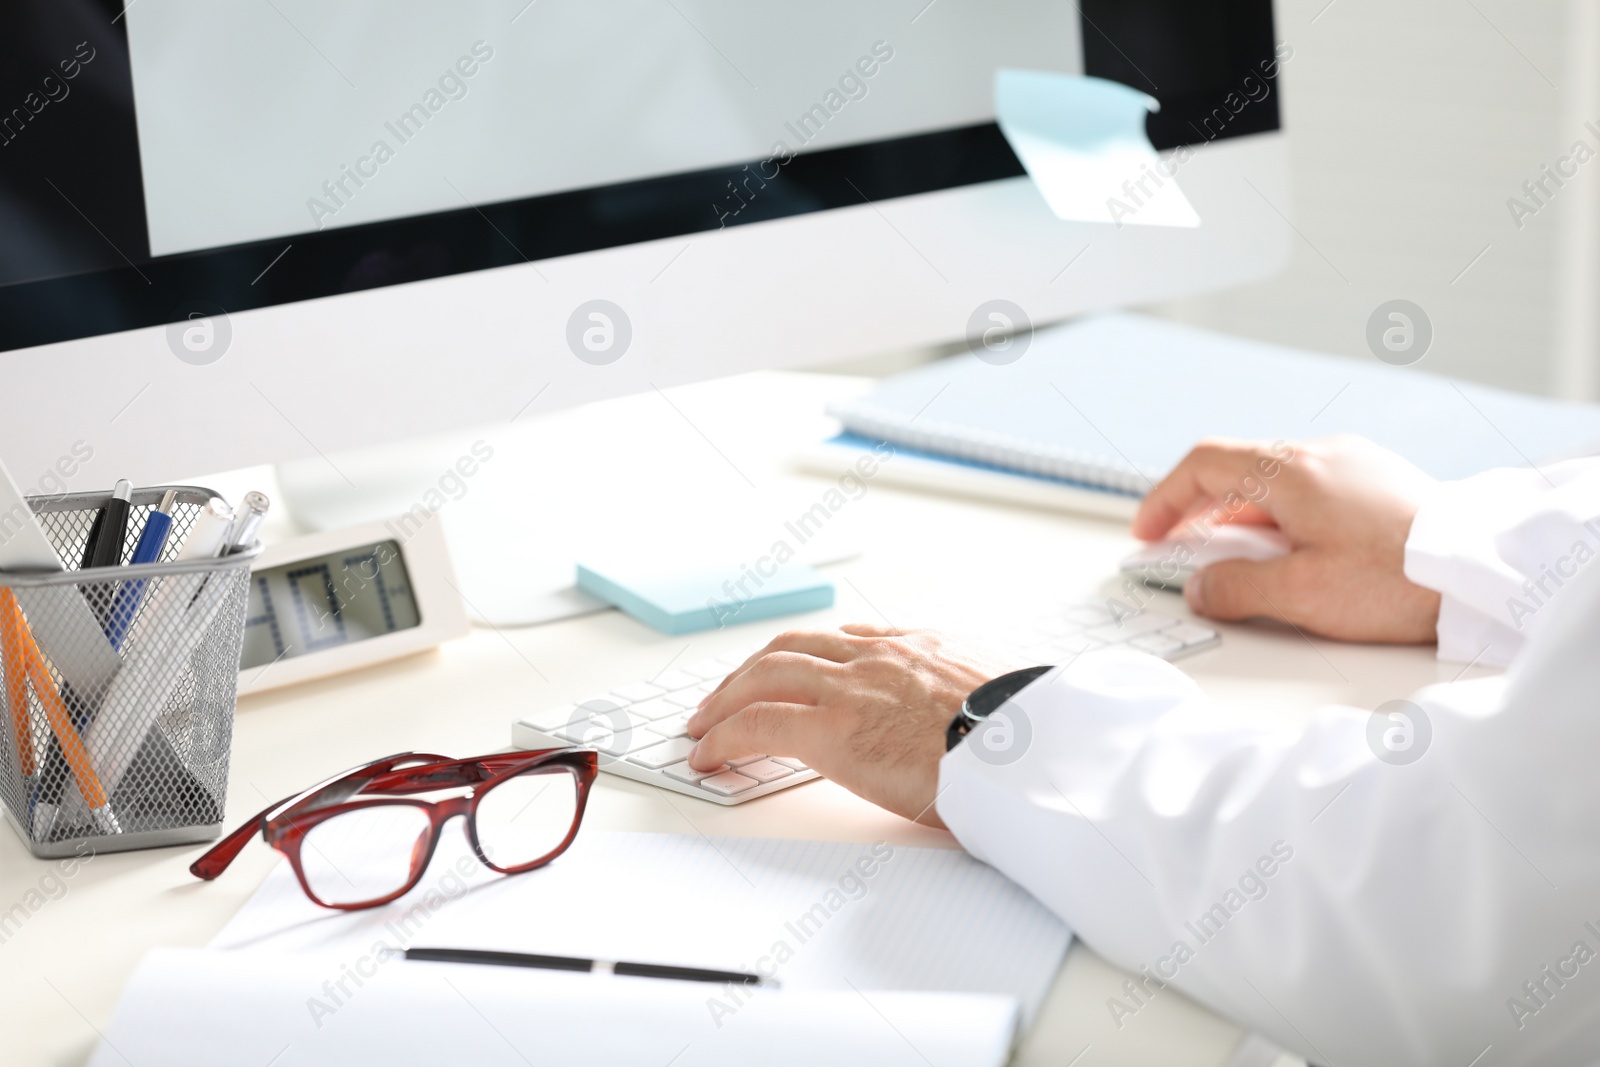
578,963
110,531
103,548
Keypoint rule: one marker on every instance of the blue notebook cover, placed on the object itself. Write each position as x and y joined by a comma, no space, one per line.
1116,400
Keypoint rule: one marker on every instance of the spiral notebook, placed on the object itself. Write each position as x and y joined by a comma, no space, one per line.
1114,401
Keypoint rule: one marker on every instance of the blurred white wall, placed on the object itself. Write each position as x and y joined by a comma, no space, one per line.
1411,122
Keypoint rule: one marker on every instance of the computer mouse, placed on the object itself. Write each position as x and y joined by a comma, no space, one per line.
1168,564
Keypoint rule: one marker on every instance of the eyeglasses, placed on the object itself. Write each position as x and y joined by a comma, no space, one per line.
355,843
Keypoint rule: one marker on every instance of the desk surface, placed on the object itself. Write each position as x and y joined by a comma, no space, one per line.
925,557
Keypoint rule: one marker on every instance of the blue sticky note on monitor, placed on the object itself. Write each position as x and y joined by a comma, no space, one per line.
707,597
1084,144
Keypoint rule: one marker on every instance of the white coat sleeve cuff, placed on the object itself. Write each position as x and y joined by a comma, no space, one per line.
1451,549
1498,548
1076,728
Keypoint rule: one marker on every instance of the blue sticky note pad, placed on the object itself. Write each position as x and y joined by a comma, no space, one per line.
707,598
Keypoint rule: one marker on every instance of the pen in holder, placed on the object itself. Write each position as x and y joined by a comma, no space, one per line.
120,739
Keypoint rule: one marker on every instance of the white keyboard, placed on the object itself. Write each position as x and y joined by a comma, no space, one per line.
1061,635
639,731
639,728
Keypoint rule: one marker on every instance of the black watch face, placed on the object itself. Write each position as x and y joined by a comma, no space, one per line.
990,696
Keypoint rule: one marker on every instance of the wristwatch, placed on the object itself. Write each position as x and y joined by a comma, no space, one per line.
987,699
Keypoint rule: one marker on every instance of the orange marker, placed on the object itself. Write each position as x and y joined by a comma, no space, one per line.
55,710
14,664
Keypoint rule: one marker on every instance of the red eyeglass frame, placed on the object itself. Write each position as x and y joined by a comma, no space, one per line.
284,824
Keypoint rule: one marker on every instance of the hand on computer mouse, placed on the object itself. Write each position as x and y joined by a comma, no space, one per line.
866,706
1345,505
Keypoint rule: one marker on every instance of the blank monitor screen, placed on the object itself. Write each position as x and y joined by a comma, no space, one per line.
257,153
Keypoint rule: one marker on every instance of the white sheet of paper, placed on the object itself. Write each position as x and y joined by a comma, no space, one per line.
1083,142
198,1008
814,915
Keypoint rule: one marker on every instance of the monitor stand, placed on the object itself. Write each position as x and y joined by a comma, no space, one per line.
514,566
521,503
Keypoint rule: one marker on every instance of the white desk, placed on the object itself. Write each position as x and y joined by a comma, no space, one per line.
63,967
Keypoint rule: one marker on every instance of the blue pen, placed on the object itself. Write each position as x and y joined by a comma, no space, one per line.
152,539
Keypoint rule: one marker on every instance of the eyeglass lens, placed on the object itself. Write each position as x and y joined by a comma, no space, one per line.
525,818
364,854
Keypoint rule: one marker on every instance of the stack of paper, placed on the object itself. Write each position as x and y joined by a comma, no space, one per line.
883,955
193,1008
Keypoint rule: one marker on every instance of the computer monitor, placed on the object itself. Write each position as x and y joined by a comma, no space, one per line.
246,232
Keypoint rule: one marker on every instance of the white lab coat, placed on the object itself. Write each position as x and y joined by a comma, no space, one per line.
1356,910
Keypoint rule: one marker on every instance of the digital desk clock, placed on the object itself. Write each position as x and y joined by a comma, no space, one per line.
336,601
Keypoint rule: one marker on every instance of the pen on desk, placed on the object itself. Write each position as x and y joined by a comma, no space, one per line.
152,540
578,963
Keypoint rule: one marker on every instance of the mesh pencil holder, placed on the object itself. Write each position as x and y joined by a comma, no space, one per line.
118,685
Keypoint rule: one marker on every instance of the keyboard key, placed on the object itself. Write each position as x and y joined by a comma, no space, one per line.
791,763
598,706
1157,644
708,670
552,719
584,733
1089,614
619,720
659,708
685,773
742,760
657,756
674,727
1130,627
1190,634
635,692
643,738
674,680
626,741
686,699
728,783
765,770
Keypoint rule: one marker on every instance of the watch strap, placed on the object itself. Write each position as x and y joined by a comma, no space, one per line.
986,700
